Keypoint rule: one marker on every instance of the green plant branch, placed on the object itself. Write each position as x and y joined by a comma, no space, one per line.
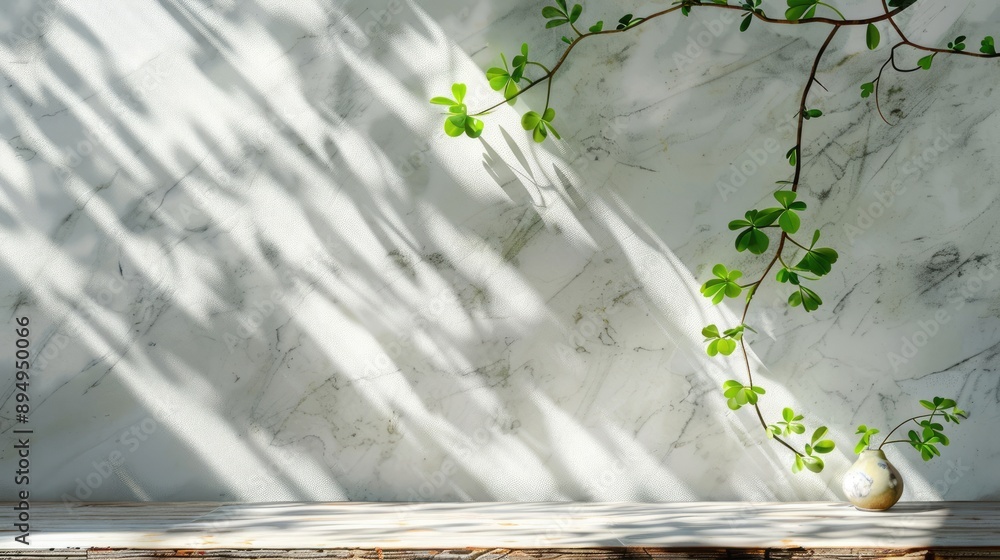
885,440
562,59
818,260
756,407
540,65
802,107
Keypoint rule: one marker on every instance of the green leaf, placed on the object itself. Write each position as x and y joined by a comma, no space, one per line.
473,127
812,114
926,61
498,78
597,27
988,46
454,126
710,331
540,134
819,261
443,101
530,120
549,12
810,300
789,221
745,24
792,155
575,14
824,446
819,433
726,346
785,198
867,89
562,4
788,414
798,464
556,23
730,383
799,9
459,92
928,405
873,37
814,464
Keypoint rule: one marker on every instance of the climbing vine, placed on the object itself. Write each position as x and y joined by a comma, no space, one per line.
774,232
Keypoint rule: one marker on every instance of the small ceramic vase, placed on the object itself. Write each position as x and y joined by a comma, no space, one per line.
872,483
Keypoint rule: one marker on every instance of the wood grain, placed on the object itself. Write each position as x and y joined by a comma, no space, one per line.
510,526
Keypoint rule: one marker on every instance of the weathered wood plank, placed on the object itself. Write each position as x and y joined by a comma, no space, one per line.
511,526
552,554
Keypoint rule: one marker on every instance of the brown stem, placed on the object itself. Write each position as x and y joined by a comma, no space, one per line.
892,22
760,415
885,440
548,76
802,107
777,255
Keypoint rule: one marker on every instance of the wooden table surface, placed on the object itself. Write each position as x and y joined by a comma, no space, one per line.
479,528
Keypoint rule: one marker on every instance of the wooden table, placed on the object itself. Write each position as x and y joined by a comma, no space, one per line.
490,531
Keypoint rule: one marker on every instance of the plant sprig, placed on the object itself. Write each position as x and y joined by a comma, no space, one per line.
758,225
931,433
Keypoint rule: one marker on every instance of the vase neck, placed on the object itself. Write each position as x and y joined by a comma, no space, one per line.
873,453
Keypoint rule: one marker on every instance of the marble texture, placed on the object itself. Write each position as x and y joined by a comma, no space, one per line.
257,270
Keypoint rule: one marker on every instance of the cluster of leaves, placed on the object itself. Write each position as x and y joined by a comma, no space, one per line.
738,394
816,446
627,21
791,424
804,9
540,125
561,14
459,122
751,7
866,438
723,343
507,80
931,433
723,285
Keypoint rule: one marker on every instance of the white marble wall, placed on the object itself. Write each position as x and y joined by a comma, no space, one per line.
256,269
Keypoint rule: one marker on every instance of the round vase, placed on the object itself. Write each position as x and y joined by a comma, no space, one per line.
872,483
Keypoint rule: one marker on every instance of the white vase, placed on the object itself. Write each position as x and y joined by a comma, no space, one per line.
872,483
